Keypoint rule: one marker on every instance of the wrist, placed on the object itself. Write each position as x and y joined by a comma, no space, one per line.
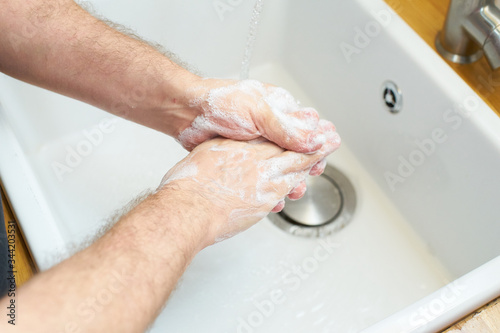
189,215
195,213
173,105
159,97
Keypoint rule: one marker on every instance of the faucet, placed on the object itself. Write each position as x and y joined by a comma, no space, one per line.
471,29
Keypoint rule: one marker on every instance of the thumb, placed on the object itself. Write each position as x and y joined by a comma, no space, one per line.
296,131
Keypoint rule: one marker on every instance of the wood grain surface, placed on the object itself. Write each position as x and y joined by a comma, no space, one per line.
24,264
484,320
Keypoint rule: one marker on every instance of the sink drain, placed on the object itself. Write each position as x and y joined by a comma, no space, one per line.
327,206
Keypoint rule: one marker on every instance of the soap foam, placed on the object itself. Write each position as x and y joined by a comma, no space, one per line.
229,111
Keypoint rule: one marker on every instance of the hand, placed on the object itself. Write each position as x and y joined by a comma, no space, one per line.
246,110
239,183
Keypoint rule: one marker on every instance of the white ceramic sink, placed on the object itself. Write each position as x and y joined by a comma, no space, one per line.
422,249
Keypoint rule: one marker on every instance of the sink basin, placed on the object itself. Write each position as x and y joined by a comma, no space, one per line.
422,248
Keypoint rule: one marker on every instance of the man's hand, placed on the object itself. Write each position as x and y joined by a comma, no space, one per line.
246,110
72,53
131,79
241,182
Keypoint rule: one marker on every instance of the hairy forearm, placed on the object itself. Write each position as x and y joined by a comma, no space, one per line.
57,45
120,283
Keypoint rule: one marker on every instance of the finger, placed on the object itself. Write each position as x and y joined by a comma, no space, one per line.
287,124
298,192
261,147
286,131
333,140
287,163
193,136
305,118
318,168
292,162
279,207
305,137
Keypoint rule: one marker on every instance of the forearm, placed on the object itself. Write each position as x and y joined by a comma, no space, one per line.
120,283
57,45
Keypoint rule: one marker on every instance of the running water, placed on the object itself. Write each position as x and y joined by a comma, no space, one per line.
252,36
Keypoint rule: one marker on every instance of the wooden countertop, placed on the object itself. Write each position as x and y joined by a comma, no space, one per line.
426,17
24,264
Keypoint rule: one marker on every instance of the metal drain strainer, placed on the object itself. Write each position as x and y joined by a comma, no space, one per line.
327,206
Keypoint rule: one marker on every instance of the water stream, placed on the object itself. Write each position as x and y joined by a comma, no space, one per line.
251,37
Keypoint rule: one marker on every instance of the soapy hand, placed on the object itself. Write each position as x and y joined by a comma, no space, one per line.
241,182
246,110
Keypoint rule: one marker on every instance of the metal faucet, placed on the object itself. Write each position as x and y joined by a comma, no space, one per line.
471,29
